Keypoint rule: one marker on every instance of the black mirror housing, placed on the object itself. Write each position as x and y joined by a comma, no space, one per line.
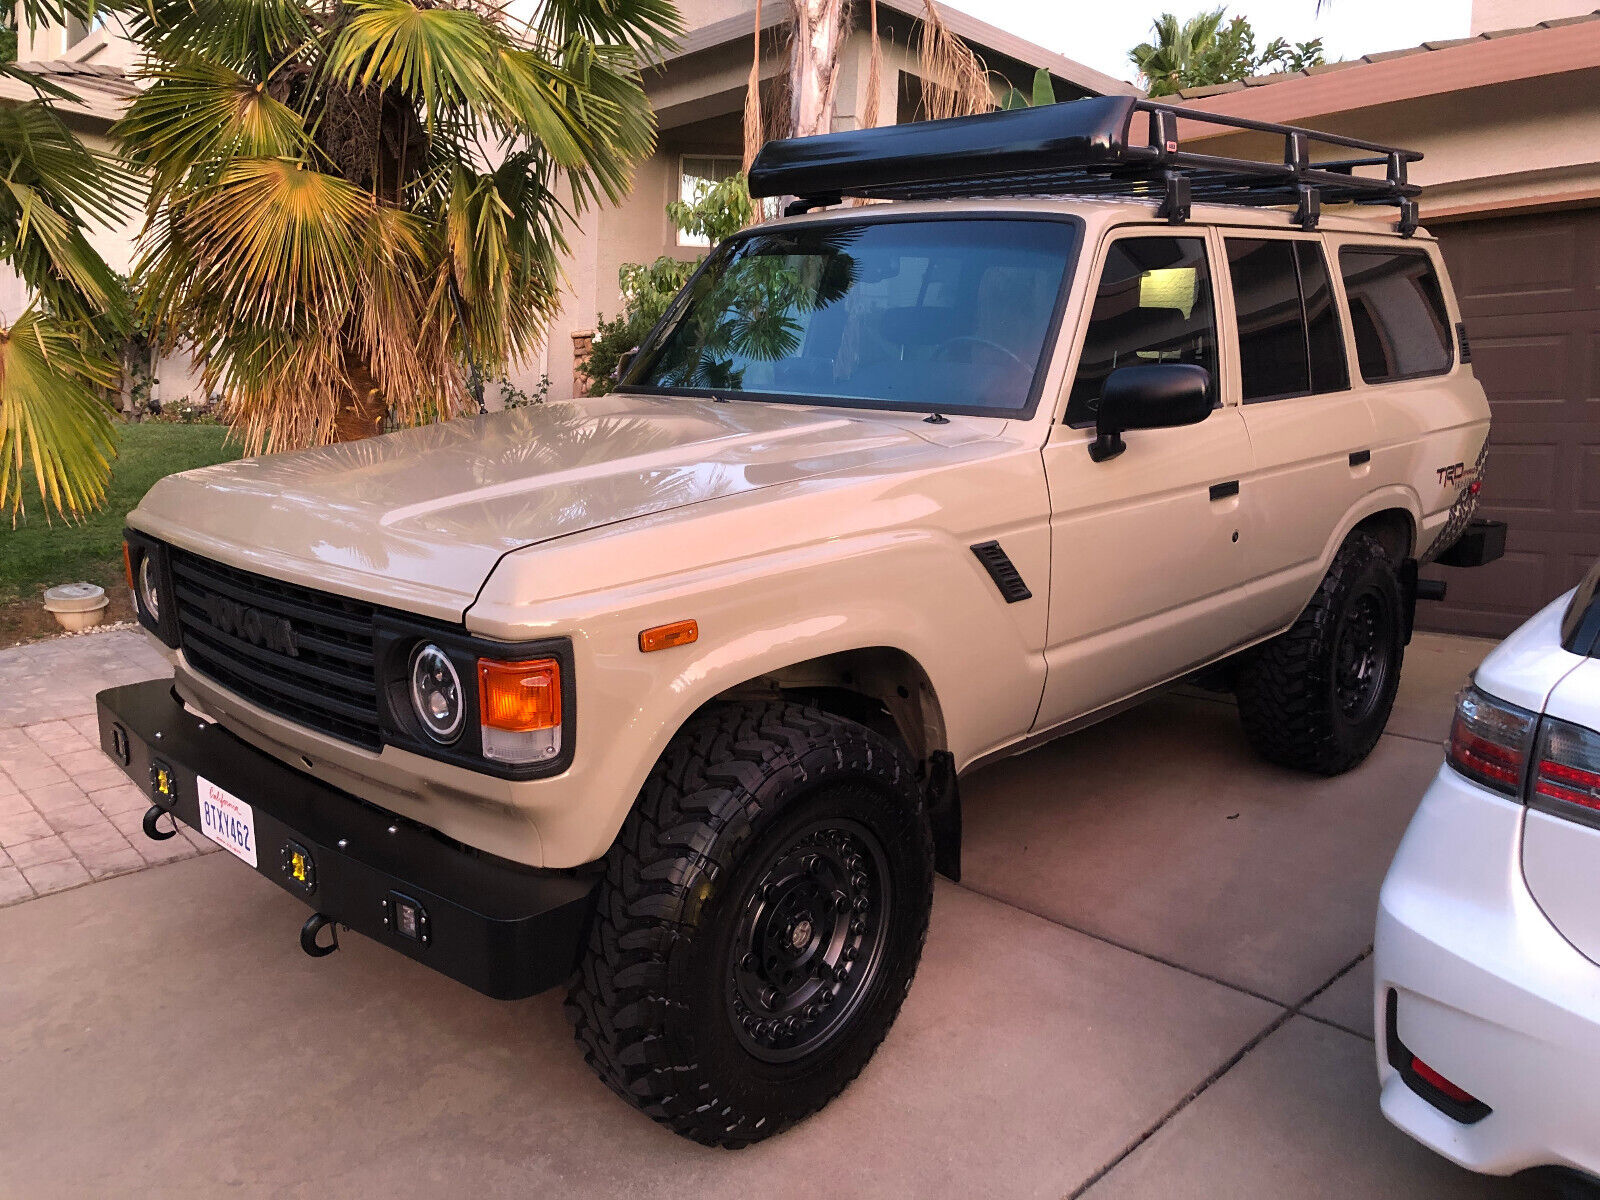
1148,396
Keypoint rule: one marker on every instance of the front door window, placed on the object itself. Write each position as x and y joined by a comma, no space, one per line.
1153,305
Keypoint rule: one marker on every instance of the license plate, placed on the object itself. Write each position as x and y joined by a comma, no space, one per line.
227,820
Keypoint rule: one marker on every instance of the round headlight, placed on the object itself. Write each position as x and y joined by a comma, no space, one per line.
149,593
436,693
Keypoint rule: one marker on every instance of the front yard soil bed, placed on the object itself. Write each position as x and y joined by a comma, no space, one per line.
41,552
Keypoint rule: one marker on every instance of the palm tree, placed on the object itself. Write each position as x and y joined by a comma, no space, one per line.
56,357
358,206
1166,62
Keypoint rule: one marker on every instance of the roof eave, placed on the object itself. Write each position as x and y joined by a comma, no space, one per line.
1479,62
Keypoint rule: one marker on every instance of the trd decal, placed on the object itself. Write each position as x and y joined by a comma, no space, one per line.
1455,473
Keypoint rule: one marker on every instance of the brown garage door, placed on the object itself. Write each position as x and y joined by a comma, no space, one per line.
1530,293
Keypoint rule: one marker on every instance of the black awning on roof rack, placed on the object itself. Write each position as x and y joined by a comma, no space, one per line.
1083,147
945,153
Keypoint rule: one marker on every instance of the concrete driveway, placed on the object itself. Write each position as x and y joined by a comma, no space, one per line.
1153,982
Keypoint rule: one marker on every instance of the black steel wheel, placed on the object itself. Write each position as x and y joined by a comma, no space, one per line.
1363,653
1318,696
810,940
761,918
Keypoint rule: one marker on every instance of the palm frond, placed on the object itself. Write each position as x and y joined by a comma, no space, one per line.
196,115
955,82
327,229
752,93
37,149
54,417
438,56
275,242
49,183
616,115
649,27
35,13
536,94
251,36
870,115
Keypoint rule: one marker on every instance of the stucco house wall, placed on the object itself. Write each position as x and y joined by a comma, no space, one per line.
1490,15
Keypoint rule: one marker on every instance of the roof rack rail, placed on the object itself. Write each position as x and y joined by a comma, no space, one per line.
1084,148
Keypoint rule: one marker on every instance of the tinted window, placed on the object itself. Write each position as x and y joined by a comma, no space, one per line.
1329,372
1397,313
1289,338
1272,325
1153,305
934,316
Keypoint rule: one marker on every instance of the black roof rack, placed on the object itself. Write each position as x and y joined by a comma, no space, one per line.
1083,148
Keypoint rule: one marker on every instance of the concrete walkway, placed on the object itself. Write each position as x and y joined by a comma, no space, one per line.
1153,982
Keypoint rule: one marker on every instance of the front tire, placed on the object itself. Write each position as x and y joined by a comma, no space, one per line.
1317,697
762,915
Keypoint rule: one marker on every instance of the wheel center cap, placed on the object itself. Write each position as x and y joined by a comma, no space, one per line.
800,935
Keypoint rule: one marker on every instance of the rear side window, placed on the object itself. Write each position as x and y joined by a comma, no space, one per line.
1289,339
1396,312
1153,305
1324,338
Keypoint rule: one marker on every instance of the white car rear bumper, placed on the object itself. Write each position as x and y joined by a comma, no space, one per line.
1488,992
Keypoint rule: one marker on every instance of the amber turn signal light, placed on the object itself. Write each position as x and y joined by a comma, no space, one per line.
127,564
519,696
664,637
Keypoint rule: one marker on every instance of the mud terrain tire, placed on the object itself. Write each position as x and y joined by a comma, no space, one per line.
775,854
1317,697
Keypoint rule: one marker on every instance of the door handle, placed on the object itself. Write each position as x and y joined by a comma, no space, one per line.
1360,458
1221,491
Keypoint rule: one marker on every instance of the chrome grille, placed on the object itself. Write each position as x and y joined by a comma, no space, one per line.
303,654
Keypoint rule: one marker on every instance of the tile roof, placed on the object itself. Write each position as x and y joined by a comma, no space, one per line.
102,91
1218,89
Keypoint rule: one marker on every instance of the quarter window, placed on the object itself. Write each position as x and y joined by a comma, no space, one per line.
1397,313
1153,305
1289,338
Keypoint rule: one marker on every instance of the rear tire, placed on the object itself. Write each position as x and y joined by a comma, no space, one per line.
1317,697
762,915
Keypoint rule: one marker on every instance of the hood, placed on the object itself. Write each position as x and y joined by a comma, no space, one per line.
416,520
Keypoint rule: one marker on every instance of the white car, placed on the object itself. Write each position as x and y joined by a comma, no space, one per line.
1488,941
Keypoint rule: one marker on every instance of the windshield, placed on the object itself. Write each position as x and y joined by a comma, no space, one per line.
929,315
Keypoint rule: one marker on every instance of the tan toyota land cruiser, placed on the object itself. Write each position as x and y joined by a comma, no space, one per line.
667,694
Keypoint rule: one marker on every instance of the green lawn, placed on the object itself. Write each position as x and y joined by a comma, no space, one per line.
41,553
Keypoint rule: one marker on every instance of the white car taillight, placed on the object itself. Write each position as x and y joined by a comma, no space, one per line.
1490,741
1566,772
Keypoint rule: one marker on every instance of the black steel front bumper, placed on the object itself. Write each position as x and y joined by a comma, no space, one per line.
506,930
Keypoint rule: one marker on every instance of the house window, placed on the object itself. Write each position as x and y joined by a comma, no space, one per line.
697,173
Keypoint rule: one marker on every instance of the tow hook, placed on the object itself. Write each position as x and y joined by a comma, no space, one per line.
153,814
308,935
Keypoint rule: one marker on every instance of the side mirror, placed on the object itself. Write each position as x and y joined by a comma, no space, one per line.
625,363
1148,396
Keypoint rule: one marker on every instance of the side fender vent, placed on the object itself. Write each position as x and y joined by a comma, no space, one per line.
1003,571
